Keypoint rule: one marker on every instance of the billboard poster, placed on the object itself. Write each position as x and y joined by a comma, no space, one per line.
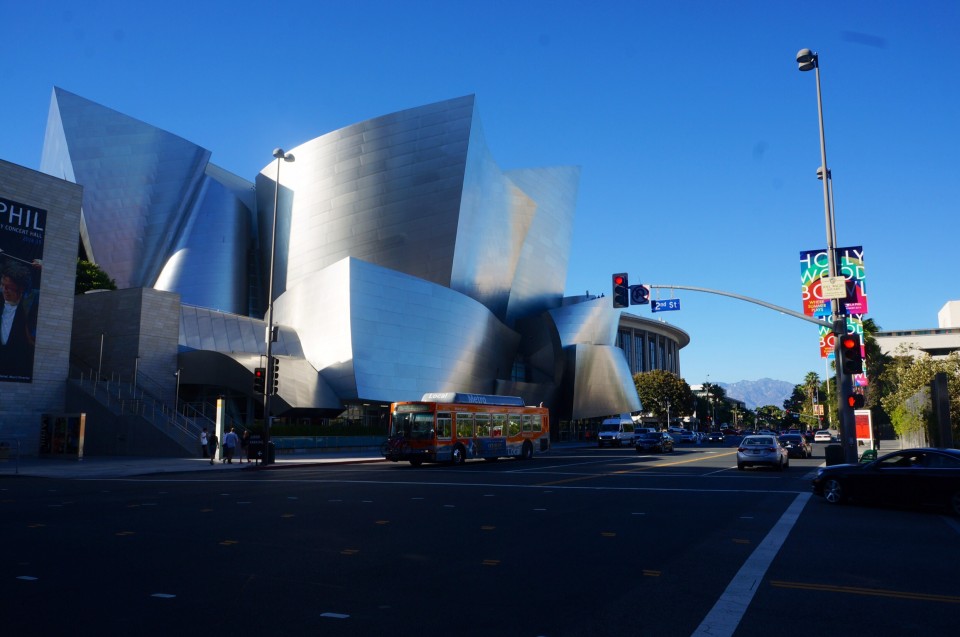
814,266
22,231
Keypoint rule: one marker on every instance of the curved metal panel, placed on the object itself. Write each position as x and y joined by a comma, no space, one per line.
593,321
208,265
377,334
602,383
386,191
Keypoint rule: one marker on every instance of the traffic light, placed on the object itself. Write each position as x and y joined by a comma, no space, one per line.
259,379
275,375
855,400
621,290
851,356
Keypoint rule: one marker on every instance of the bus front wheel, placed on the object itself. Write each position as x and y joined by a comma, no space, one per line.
457,457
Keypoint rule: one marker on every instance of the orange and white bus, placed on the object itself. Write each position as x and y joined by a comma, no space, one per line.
454,427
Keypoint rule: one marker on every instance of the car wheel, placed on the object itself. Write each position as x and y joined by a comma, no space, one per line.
740,466
833,491
786,464
955,503
416,462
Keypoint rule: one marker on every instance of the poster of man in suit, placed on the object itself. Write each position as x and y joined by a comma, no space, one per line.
22,229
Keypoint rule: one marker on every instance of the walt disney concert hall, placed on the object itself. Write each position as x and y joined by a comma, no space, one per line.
405,261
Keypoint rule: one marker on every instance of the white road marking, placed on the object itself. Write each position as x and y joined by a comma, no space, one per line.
725,616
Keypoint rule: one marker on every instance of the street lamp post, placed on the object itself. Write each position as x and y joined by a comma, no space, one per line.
270,337
807,60
176,400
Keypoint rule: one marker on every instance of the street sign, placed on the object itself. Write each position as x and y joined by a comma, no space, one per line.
666,305
639,295
833,287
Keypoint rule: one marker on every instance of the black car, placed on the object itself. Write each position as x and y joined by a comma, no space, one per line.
796,445
716,436
911,477
659,441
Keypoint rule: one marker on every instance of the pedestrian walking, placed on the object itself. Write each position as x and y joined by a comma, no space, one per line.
212,446
204,442
245,446
230,443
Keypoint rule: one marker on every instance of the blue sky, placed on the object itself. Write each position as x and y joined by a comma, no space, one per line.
696,134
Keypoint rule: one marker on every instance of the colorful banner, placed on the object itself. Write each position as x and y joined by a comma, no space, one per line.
22,232
814,266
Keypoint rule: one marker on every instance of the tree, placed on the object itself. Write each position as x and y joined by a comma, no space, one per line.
658,388
905,375
91,277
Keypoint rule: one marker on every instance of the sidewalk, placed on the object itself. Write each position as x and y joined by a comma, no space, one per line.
118,467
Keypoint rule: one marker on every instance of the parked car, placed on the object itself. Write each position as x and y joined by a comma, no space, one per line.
910,477
658,441
796,446
684,435
823,435
716,436
808,435
763,450
730,432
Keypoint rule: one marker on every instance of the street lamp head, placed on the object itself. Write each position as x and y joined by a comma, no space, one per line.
807,59
280,154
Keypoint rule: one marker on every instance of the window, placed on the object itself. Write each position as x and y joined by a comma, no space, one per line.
444,424
499,424
513,425
464,425
526,423
535,423
483,425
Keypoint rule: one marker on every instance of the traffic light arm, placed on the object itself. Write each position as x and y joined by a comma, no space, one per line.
771,306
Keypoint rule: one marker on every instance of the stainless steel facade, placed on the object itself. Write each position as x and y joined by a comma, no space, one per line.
407,261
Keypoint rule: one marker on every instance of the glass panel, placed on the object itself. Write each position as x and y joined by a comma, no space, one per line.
444,424
526,422
513,425
464,425
499,424
483,425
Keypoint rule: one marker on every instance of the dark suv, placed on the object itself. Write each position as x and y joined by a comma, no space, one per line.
796,445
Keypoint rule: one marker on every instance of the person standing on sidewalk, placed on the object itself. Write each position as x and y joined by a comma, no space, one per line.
204,443
230,442
212,446
245,446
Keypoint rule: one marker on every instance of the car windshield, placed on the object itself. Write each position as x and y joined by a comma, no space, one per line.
790,438
758,440
612,426
649,436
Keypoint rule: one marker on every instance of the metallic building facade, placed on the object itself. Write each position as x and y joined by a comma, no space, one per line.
407,261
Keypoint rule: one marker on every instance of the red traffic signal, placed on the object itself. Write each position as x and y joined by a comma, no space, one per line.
850,353
855,400
621,290
259,379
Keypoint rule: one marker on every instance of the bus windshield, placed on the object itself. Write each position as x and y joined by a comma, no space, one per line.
412,426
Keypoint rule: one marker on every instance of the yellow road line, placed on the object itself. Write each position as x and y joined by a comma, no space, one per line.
637,469
877,592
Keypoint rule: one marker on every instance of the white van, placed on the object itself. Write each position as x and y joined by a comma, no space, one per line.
616,431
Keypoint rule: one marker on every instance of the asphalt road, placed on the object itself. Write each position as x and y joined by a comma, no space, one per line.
581,542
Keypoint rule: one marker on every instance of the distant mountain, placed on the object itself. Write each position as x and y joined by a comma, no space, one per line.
757,393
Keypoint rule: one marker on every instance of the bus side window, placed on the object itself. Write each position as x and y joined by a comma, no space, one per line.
526,423
464,425
444,424
499,424
535,423
483,425
513,425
